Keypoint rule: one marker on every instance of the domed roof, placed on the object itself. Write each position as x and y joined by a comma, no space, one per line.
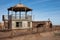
19,7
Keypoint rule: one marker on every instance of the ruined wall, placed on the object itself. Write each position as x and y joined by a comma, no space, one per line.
45,24
42,25
1,26
56,27
35,23
24,25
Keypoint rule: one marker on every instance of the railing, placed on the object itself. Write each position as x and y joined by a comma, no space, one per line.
5,17
29,17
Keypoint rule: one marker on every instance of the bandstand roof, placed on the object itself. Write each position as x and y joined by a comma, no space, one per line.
19,7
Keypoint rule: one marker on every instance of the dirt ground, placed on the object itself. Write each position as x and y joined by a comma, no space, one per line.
54,35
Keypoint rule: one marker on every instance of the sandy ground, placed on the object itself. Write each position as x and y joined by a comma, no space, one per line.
37,36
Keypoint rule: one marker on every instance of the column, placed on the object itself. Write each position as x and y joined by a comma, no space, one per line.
25,14
31,15
8,19
15,15
8,14
20,15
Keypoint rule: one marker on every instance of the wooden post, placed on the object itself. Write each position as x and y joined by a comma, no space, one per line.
25,14
8,19
15,15
37,30
4,22
20,15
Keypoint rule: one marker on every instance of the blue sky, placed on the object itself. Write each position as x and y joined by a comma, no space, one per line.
42,9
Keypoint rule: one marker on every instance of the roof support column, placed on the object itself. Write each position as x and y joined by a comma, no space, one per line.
8,14
15,15
31,15
20,15
8,19
25,14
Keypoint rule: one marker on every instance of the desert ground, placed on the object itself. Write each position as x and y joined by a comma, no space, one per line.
52,35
